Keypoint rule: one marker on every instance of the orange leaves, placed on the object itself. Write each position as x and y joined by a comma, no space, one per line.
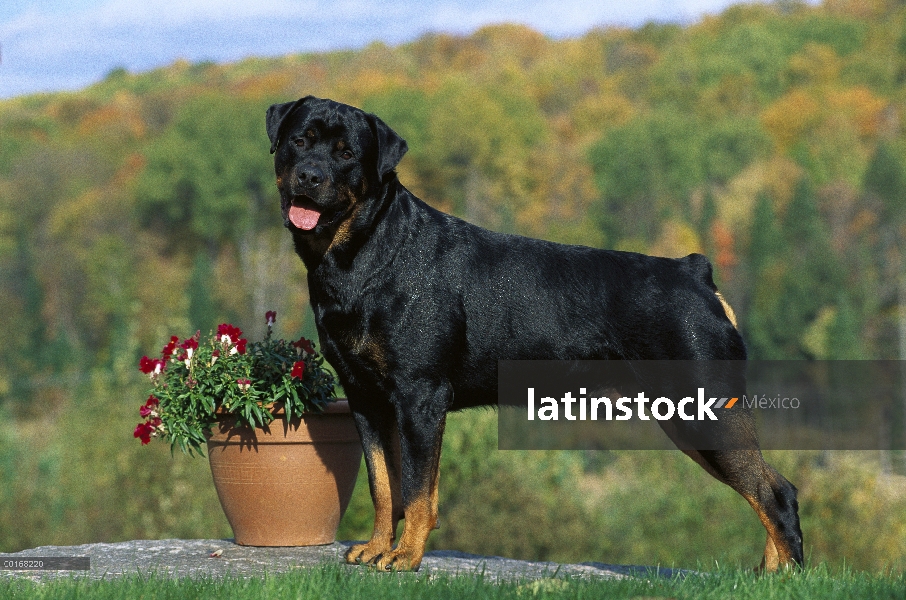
861,107
724,249
121,116
820,104
271,83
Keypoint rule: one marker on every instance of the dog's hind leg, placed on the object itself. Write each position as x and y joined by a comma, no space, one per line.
380,441
771,496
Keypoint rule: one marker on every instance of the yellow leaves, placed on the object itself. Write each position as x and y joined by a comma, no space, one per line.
816,339
790,117
7,221
815,64
677,239
121,115
266,85
777,177
597,112
860,106
368,82
558,208
861,9
75,214
832,129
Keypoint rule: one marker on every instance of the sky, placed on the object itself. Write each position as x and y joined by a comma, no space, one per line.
53,45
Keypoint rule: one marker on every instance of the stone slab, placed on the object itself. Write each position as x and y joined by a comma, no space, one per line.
219,558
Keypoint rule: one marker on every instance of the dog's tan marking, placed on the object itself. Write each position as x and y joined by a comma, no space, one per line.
727,309
368,346
385,486
341,236
421,519
776,554
771,560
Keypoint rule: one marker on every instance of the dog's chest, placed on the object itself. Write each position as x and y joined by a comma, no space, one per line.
352,342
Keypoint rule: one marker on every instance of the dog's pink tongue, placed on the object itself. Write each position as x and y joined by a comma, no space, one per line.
303,218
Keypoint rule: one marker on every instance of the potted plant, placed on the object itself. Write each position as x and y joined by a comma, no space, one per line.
284,452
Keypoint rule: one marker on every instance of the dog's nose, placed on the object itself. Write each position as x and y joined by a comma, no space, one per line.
311,175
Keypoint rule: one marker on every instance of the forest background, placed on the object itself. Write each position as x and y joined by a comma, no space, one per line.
768,137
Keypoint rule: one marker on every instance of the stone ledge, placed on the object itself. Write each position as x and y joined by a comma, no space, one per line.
193,558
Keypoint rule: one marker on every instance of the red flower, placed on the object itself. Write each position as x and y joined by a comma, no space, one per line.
298,369
143,431
244,384
271,317
190,343
149,407
230,332
170,348
305,345
240,345
150,366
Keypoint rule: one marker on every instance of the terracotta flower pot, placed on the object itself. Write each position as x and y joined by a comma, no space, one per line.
288,484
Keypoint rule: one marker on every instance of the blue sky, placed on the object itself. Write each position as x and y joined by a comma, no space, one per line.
68,44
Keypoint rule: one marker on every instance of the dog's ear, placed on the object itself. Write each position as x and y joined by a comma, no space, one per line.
276,117
390,146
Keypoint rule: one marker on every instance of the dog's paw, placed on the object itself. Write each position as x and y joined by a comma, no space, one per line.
365,554
400,559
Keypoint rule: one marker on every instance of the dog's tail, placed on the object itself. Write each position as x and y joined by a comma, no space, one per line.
701,270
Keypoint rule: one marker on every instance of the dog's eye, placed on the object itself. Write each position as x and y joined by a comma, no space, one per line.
300,143
345,154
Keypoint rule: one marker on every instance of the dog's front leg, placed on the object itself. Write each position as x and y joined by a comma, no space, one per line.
421,427
380,442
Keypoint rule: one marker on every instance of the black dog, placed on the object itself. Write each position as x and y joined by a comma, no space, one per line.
415,307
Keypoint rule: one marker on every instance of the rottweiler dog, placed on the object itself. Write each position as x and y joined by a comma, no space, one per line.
414,307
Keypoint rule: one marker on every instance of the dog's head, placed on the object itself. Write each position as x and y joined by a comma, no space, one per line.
329,159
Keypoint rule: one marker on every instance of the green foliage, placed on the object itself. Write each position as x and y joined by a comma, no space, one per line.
202,305
885,178
645,168
206,177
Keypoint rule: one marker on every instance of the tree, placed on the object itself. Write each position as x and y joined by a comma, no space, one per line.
208,178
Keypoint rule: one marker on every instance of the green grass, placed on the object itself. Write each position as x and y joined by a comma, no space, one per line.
333,581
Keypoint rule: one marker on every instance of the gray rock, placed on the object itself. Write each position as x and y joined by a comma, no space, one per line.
218,558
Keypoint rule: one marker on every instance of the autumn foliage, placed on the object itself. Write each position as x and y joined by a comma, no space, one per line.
769,137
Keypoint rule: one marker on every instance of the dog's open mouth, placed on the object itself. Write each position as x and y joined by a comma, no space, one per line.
304,213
